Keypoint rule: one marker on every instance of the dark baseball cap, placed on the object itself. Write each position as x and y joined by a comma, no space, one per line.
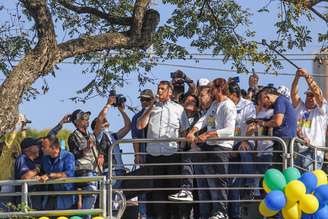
147,93
29,142
77,114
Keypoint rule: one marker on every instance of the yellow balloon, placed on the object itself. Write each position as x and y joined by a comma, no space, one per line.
62,218
321,176
290,203
265,187
265,211
309,204
295,190
43,218
98,217
291,212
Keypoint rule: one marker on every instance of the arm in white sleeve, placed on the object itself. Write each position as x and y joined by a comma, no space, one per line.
229,116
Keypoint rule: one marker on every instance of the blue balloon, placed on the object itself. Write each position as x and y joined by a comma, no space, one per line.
322,194
322,213
310,181
307,216
275,200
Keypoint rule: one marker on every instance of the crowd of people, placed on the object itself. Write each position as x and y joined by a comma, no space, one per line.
206,112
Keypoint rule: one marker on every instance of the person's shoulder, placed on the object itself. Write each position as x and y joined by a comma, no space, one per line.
228,103
175,105
21,158
66,154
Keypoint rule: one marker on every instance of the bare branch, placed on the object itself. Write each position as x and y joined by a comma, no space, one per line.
43,21
95,43
138,17
126,21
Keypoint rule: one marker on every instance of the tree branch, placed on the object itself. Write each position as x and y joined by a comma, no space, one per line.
126,21
100,42
308,3
138,17
43,21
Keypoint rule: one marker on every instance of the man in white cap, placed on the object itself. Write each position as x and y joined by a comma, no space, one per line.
312,119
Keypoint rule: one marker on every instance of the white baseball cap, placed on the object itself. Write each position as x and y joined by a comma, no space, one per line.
203,82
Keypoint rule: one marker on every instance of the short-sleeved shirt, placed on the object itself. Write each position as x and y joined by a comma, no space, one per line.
65,162
221,117
313,123
245,110
289,124
23,164
167,120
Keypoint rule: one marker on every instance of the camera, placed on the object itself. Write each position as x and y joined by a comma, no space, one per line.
120,98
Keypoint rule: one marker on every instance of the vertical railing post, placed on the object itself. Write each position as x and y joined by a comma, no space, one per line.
315,158
24,198
102,197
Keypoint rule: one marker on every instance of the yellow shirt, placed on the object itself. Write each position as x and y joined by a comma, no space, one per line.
11,146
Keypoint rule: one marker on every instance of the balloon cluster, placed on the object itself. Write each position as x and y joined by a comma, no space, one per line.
73,217
295,195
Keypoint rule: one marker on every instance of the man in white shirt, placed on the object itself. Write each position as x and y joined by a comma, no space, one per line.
165,119
220,121
311,118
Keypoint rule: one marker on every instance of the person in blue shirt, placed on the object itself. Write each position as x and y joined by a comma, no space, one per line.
146,97
27,166
56,164
284,121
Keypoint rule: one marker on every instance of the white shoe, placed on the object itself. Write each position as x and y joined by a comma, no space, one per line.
183,195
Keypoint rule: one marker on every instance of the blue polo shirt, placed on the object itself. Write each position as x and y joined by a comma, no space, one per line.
138,133
65,162
22,165
289,123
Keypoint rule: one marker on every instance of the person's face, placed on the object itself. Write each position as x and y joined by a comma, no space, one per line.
34,152
310,102
190,105
252,81
145,102
216,93
262,101
164,92
205,97
83,122
267,99
46,146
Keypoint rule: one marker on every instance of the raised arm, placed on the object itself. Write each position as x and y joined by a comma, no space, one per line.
143,120
102,114
127,123
312,85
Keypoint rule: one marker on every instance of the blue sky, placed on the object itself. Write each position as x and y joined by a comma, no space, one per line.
47,110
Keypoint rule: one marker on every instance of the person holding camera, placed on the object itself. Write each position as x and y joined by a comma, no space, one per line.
179,78
105,138
87,162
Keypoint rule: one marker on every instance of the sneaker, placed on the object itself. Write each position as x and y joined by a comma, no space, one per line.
219,215
183,195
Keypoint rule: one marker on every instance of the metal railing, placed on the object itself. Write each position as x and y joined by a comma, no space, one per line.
25,194
111,177
315,149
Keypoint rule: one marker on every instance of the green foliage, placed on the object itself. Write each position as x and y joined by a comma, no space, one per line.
17,208
62,134
220,27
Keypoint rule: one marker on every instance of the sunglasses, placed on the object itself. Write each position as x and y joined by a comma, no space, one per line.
85,116
143,99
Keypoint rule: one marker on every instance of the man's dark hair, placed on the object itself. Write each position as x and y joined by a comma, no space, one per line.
54,141
168,83
186,95
93,123
234,88
269,90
